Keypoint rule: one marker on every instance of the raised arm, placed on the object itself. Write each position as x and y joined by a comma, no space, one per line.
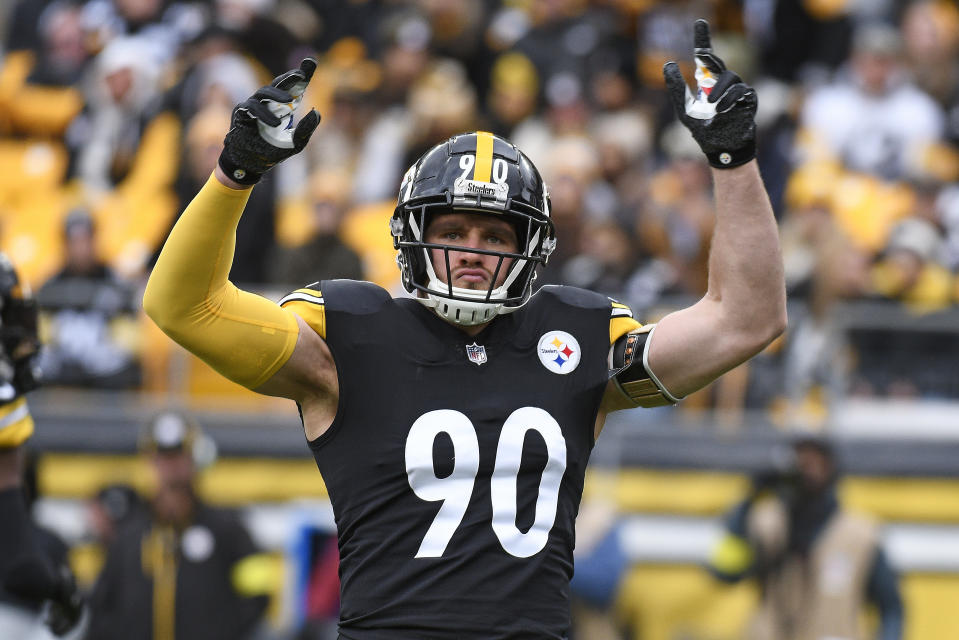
744,308
245,337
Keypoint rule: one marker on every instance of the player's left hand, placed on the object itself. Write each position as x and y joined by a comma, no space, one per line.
64,615
262,133
722,114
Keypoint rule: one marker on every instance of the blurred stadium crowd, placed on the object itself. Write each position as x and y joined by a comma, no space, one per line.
112,114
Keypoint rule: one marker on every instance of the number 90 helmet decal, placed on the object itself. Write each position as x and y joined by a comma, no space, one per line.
484,174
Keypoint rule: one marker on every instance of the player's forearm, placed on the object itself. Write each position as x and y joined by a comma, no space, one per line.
745,262
189,296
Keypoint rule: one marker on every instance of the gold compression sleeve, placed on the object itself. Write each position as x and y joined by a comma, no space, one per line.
245,337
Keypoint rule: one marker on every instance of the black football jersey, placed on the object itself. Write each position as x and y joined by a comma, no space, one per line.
455,464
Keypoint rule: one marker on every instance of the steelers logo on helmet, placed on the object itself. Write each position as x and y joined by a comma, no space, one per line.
477,173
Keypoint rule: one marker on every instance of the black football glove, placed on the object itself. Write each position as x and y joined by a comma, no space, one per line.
33,578
262,133
722,114
64,612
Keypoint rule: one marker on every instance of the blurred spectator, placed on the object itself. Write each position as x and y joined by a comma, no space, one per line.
513,94
801,40
817,564
324,256
606,259
122,89
39,93
930,32
823,269
126,147
675,224
181,569
910,269
269,41
569,165
161,25
873,119
367,142
88,317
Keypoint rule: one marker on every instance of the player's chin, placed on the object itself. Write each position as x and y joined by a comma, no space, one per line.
472,284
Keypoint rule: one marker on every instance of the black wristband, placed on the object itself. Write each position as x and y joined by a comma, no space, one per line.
235,172
731,159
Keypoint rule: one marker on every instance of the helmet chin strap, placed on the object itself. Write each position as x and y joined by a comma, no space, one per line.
467,313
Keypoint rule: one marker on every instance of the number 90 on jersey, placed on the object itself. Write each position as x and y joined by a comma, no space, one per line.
456,489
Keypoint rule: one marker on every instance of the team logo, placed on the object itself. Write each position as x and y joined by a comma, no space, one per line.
476,353
197,543
559,352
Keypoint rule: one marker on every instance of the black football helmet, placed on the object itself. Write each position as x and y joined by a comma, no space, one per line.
19,340
482,173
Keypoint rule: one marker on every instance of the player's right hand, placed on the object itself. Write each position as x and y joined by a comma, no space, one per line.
262,133
721,116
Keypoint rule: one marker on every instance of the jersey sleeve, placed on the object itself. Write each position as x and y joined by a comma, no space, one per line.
316,303
308,303
621,321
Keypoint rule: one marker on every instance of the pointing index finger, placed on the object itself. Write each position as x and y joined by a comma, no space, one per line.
701,37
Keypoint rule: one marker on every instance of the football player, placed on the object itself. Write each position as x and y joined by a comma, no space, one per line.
29,579
453,427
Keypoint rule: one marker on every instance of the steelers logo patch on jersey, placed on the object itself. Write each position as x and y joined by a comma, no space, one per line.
559,352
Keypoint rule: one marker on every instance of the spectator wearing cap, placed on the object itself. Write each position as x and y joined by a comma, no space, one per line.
180,570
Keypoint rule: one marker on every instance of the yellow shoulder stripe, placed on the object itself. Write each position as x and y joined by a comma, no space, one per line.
484,156
16,423
618,327
309,305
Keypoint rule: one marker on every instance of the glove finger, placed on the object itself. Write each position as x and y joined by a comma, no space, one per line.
288,79
297,76
679,93
272,93
725,80
304,129
307,67
703,50
738,94
260,111
701,36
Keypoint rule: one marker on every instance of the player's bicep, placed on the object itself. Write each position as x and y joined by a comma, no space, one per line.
693,346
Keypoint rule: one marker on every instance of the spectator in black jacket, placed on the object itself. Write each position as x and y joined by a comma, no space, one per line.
180,570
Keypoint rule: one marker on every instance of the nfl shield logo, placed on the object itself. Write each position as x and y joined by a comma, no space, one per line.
476,353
